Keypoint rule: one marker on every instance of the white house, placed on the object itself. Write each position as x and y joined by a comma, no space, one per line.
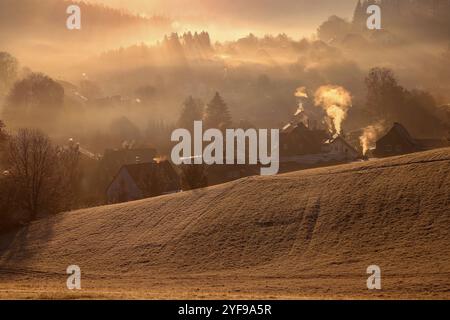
339,149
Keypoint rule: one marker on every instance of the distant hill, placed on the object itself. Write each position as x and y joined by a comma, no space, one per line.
305,234
43,22
35,32
47,16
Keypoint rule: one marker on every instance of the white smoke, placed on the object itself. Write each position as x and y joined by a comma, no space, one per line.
336,101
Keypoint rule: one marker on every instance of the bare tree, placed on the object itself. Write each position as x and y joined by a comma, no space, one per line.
32,164
46,176
67,179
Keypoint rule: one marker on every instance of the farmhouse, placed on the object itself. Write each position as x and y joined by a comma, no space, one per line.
143,180
113,160
398,141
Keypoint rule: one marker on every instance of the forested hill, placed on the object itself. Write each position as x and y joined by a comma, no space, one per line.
46,19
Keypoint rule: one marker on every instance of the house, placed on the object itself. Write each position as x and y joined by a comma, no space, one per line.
143,180
303,146
338,149
298,139
397,141
113,160
335,150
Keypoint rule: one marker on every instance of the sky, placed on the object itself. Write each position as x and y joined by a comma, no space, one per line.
228,19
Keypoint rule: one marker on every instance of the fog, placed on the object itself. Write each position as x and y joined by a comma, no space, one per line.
226,20
125,77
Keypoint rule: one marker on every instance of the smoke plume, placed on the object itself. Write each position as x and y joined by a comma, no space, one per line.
370,136
336,101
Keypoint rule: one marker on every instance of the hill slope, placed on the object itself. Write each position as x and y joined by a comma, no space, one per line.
306,234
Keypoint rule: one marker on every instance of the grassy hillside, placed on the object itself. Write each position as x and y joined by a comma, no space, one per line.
306,234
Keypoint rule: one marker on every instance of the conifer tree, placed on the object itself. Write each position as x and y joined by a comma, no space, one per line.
217,114
192,111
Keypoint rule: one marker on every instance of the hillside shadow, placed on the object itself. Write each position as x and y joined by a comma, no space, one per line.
19,245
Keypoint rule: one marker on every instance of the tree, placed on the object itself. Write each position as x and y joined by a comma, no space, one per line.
335,28
193,176
359,15
43,173
417,110
191,111
3,140
32,160
384,95
217,114
421,113
67,177
8,71
174,49
34,98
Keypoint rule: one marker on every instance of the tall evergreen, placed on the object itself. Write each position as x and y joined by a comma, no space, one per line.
358,15
192,111
217,114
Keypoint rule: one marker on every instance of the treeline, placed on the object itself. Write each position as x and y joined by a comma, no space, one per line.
173,50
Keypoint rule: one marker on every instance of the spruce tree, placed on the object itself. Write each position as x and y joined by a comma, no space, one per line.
192,111
358,15
217,114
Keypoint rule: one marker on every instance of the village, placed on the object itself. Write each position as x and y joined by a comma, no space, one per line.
136,173
236,150
228,148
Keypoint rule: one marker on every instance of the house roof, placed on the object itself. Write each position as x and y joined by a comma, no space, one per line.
403,132
143,174
290,127
287,128
340,138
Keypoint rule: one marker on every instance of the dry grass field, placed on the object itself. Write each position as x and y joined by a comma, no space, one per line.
302,235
